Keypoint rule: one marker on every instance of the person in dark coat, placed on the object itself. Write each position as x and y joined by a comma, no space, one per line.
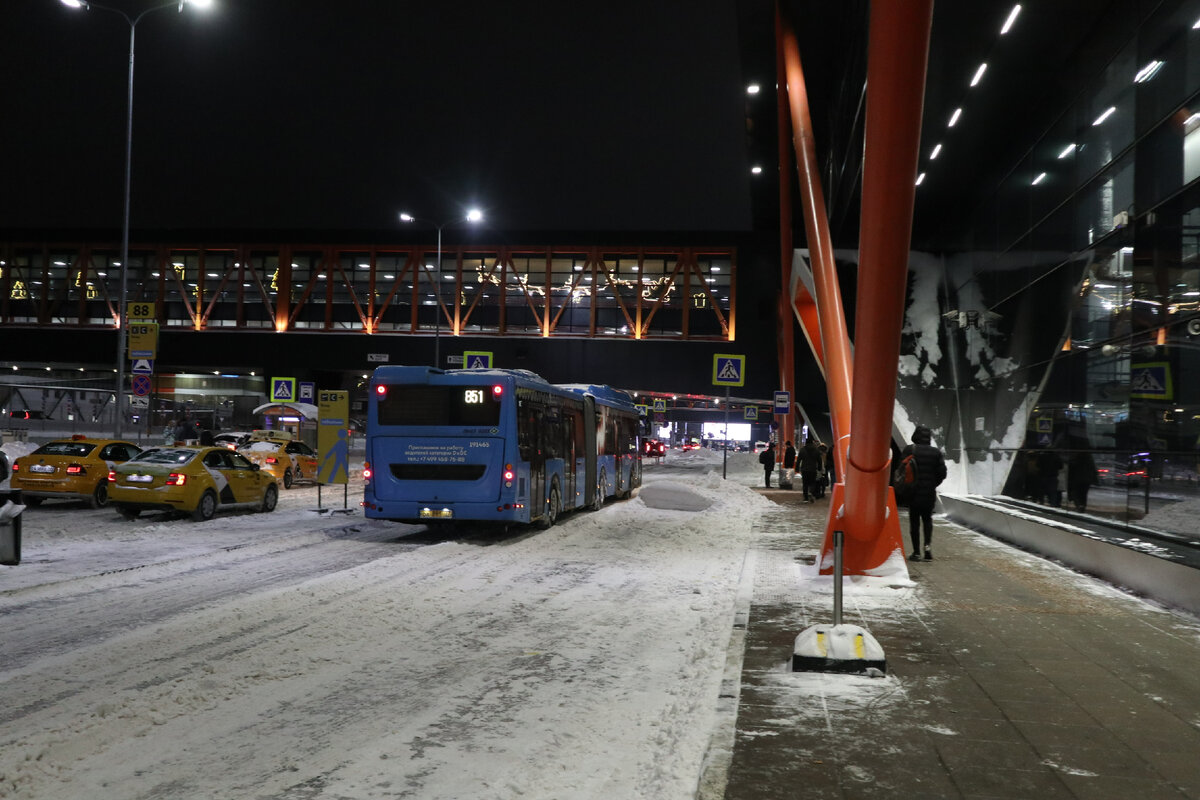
811,464
767,459
789,466
1081,474
931,471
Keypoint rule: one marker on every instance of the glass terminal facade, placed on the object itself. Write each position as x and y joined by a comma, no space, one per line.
1059,351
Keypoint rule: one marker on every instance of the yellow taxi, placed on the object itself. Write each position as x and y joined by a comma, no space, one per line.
287,459
75,469
191,480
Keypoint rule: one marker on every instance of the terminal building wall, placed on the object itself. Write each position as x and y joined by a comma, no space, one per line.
1064,333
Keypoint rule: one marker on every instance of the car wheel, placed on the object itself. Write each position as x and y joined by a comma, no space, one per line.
553,506
100,496
128,513
287,479
206,507
270,497
601,492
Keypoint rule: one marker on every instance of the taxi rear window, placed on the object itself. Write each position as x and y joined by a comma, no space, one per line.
166,455
74,449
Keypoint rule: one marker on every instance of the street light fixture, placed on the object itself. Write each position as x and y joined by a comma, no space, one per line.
474,216
87,5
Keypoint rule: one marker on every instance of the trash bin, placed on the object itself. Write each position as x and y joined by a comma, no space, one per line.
10,527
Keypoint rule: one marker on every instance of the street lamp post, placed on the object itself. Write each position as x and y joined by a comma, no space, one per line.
87,5
473,216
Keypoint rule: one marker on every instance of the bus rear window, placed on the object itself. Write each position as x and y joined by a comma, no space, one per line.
448,406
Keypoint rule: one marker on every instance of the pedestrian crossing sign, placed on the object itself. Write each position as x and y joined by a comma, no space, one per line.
477,359
729,370
283,390
1151,381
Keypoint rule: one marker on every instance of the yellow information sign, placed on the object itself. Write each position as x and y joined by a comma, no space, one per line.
143,340
333,437
141,311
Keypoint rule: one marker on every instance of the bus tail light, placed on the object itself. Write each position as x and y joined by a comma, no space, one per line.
381,390
366,473
176,479
509,475
497,390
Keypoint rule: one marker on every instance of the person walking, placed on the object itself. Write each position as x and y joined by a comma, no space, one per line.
930,472
1081,474
767,459
811,464
789,466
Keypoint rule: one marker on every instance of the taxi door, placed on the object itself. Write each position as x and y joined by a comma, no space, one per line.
303,459
243,478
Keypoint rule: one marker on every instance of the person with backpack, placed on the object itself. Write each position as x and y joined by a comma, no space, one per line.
921,470
767,459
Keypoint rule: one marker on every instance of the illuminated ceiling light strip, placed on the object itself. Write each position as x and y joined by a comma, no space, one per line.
756,170
1196,25
920,179
1147,72
753,88
1012,17
1193,118
1100,119
954,118
979,74
936,150
1039,179
1068,150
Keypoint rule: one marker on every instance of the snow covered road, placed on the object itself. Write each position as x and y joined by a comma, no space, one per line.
296,655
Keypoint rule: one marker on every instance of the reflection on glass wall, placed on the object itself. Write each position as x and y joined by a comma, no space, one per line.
1059,358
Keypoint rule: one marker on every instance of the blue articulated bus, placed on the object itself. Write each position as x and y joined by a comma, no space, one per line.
494,445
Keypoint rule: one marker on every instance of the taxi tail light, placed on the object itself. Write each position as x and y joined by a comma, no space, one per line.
76,469
16,467
272,460
112,476
176,479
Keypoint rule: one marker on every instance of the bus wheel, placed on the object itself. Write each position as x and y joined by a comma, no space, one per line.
553,505
601,492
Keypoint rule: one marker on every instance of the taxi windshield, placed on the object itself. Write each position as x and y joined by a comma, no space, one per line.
166,455
74,449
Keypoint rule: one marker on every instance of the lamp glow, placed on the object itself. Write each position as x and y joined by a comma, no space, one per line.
979,74
1012,17
954,118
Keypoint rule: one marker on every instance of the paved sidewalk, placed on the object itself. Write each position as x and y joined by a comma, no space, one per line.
1008,677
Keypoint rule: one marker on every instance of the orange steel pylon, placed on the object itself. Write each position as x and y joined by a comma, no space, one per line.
862,504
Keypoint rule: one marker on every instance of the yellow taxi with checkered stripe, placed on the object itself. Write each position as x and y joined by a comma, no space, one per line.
72,469
191,480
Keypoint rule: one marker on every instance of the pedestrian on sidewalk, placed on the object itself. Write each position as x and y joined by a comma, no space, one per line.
931,471
810,464
789,466
767,459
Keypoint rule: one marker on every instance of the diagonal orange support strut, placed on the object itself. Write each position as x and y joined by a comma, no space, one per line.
862,504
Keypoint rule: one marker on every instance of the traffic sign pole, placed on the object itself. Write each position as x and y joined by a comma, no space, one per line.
725,446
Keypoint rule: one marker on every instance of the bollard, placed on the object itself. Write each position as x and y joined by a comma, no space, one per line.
10,527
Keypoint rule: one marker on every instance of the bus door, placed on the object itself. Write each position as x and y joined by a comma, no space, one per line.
588,453
570,489
532,439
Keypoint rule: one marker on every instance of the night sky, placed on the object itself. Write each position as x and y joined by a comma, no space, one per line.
334,116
